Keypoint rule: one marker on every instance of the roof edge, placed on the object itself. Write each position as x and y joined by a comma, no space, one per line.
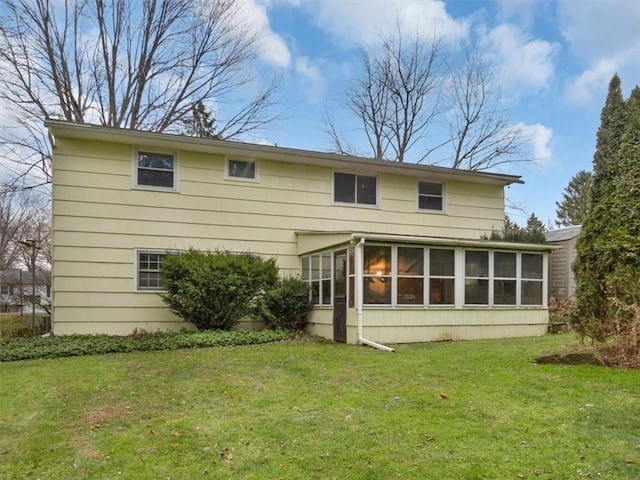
98,132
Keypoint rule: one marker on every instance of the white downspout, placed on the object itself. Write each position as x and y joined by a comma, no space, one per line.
359,267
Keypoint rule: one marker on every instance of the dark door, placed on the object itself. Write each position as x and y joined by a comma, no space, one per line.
340,296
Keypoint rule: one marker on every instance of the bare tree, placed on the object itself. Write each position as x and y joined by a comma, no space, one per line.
139,64
479,135
22,213
395,96
409,95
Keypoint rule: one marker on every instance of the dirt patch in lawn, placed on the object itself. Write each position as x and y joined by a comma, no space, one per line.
580,355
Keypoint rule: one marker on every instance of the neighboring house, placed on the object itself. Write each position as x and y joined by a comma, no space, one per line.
16,288
562,281
393,252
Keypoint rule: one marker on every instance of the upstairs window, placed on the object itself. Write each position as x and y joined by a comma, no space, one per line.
246,170
356,189
155,170
431,196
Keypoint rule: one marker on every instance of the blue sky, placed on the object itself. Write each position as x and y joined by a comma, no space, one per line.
552,59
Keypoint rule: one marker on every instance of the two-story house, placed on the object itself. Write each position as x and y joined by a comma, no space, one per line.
393,252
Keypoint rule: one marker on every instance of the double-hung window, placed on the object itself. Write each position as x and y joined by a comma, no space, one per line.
431,196
149,270
156,170
355,189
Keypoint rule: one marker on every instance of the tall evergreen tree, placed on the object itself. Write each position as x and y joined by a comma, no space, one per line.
574,206
590,271
608,285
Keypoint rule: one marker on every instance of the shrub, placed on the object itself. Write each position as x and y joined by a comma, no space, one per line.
288,304
213,290
560,309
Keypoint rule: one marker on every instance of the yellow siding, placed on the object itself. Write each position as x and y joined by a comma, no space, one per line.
99,221
426,325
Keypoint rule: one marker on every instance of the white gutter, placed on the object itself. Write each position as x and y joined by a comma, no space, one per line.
454,242
359,267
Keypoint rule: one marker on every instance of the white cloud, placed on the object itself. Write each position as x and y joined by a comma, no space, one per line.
271,46
522,12
312,75
591,84
539,141
605,35
362,22
521,65
596,29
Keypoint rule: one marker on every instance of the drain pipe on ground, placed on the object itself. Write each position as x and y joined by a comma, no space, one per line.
359,261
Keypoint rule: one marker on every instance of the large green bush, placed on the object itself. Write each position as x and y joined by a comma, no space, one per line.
288,304
213,290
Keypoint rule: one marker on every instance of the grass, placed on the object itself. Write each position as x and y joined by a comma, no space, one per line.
316,410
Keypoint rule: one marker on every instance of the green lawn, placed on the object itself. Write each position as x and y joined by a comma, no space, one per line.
320,410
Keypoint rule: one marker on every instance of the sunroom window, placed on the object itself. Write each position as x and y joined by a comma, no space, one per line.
377,275
532,279
316,272
410,276
441,276
476,277
504,278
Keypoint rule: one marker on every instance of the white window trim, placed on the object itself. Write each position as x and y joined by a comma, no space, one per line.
544,280
459,279
176,170
428,277
444,197
136,253
256,162
307,259
515,279
355,204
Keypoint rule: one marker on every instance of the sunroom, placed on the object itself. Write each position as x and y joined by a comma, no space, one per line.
377,289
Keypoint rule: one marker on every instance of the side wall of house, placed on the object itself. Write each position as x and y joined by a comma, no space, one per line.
559,268
100,220
562,279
